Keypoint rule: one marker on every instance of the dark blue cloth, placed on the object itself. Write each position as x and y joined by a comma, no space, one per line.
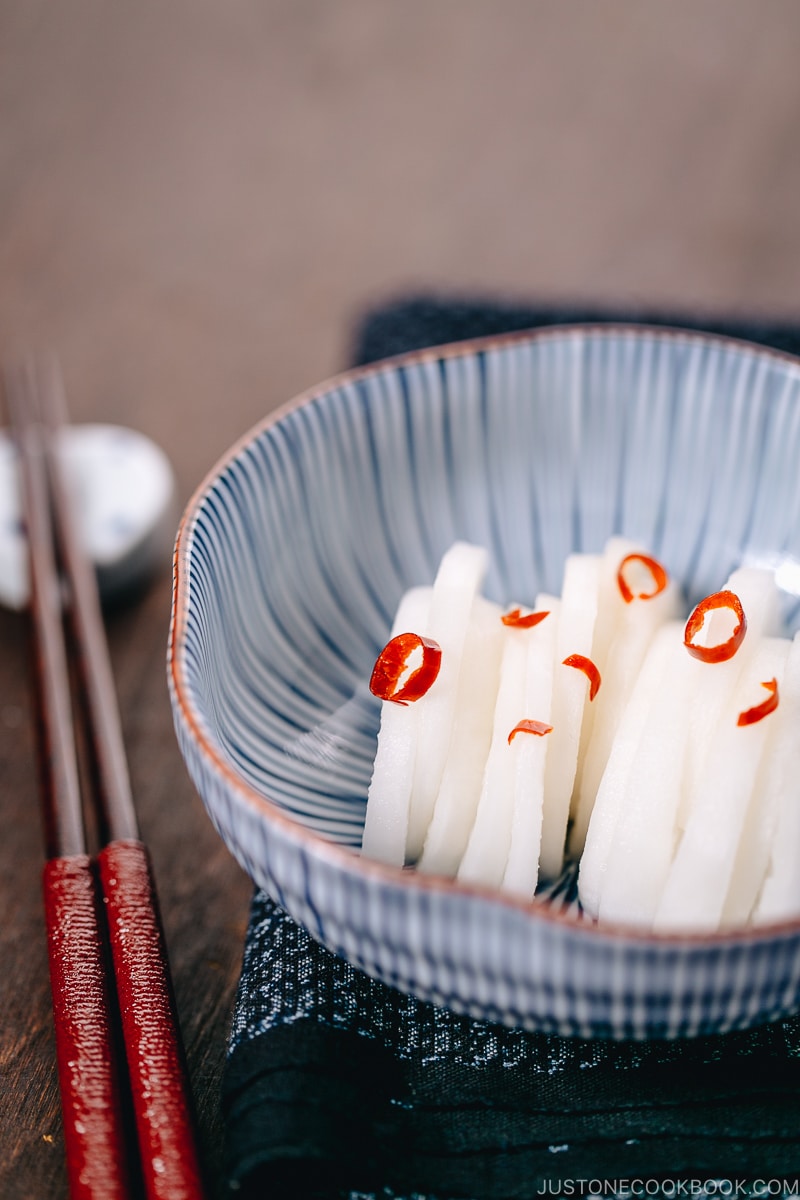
336,1084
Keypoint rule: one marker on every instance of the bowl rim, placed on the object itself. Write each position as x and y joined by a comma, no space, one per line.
347,858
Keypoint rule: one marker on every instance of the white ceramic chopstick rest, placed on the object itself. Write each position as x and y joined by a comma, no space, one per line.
125,501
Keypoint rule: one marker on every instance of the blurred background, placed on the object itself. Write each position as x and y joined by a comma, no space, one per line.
198,199
198,203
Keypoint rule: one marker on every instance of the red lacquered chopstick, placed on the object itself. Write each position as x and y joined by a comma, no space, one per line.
94,1127
167,1160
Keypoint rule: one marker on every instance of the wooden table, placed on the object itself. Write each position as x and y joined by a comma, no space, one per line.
196,202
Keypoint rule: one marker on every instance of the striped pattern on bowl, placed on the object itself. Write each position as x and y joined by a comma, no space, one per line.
290,562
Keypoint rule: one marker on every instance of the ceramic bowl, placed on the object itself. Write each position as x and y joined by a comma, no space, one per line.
290,561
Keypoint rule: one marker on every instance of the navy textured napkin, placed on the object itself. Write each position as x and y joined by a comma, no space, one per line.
338,1086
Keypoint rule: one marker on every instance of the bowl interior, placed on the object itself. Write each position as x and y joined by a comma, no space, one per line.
300,546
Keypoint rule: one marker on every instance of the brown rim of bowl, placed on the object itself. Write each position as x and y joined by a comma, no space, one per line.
345,857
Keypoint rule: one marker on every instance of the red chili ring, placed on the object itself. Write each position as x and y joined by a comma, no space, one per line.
516,621
726,649
582,663
540,728
392,661
660,577
757,713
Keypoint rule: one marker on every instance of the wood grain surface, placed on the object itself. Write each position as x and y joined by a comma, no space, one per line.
197,201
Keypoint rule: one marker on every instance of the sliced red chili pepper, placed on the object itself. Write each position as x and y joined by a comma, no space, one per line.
659,574
751,715
517,621
393,661
540,728
724,650
582,663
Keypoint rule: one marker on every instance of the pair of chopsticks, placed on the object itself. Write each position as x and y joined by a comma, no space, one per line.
128,1123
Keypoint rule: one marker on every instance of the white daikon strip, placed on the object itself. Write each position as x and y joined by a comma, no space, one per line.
778,776
570,691
528,753
457,583
700,876
666,776
758,593
628,630
386,824
457,801
755,844
485,857
609,611
611,608
780,894
644,840
613,791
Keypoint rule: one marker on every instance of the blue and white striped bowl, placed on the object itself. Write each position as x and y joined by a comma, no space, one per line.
290,562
